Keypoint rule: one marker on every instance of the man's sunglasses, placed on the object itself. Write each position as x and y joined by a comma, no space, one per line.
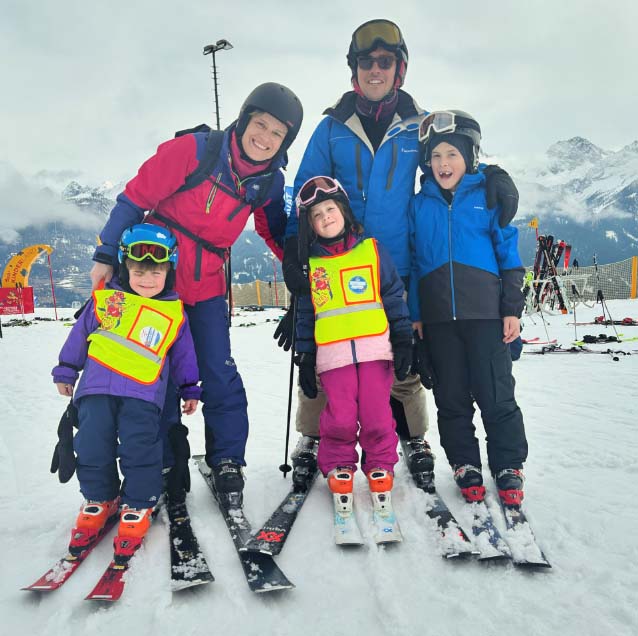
384,62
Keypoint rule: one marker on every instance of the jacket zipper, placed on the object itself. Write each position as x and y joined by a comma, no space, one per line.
449,247
212,193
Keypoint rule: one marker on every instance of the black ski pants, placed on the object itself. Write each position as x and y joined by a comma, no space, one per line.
471,363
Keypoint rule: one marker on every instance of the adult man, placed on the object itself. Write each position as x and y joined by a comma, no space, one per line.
368,141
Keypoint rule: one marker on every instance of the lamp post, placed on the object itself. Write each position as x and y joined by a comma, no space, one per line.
220,45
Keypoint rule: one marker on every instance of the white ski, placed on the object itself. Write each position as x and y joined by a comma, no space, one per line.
386,526
346,528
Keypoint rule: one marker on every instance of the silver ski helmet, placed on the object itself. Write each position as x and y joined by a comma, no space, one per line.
454,126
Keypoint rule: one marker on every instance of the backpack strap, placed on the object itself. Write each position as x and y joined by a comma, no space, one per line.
208,160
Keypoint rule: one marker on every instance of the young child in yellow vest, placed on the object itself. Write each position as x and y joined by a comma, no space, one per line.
129,337
354,331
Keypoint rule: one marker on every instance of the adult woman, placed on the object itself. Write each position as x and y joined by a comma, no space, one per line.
244,177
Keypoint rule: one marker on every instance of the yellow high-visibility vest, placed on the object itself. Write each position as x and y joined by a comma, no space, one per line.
135,333
346,295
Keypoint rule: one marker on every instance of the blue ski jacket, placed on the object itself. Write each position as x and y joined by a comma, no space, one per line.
379,185
464,266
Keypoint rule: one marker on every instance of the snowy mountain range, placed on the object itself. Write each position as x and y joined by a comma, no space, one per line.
583,194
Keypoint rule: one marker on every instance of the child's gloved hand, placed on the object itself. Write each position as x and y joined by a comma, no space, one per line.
500,190
308,375
402,351
294,277
421,363
285,328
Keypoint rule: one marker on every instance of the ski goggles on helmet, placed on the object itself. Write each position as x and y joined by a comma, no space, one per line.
310,190
384,62
441,121
368,35
154,251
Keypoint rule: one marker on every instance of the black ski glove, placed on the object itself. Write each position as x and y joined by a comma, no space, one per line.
178,482
402,351
285,328
421,362
500,189
308,374
294,277
63,460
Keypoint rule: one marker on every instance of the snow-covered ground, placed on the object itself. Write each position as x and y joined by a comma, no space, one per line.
581,415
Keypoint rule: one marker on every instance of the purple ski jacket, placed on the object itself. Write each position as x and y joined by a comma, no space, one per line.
97,379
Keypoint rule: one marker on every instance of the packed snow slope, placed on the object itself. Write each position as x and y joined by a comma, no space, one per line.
581,415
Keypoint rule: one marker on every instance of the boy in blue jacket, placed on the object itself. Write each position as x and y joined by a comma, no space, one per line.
466,301
129,337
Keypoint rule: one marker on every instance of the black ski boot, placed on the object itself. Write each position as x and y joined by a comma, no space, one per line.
509,482
420,461
420,456
304,460
470,480
229,483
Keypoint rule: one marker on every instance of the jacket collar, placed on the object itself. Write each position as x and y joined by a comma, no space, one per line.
346,107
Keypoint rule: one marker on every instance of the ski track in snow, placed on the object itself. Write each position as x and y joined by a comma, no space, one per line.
581,414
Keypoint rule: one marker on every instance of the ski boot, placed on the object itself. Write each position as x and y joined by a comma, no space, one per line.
470,480
420,460
386,526
509,482
134,524
229,483
90,523
380,482
340,482
304,460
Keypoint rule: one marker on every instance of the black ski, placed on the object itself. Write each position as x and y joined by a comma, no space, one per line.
261,571
453,542
521,540
271,537
487,538
188,564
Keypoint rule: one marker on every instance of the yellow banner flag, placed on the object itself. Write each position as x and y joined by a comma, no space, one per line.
16,273
533,223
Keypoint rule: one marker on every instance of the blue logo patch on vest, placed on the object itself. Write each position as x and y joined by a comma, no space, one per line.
150,337
357,285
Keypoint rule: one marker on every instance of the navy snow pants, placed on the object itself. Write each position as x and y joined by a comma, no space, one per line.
471,363
224,403
105,419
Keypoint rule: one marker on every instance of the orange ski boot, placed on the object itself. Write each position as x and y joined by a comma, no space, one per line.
134,524
380,480
91,522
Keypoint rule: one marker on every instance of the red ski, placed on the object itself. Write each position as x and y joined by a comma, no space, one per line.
111,584
60,573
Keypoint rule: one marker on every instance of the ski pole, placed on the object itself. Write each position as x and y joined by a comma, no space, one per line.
285,468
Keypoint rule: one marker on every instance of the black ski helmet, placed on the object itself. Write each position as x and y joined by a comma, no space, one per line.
461,124
379,33
278,101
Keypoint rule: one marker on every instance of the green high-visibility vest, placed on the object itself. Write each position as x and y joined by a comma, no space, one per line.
346,294
135,333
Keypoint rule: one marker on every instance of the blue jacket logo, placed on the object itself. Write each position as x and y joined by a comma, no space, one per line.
357,285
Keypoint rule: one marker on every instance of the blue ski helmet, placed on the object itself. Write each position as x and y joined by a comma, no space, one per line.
146,240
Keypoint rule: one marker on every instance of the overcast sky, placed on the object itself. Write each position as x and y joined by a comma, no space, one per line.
92,88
